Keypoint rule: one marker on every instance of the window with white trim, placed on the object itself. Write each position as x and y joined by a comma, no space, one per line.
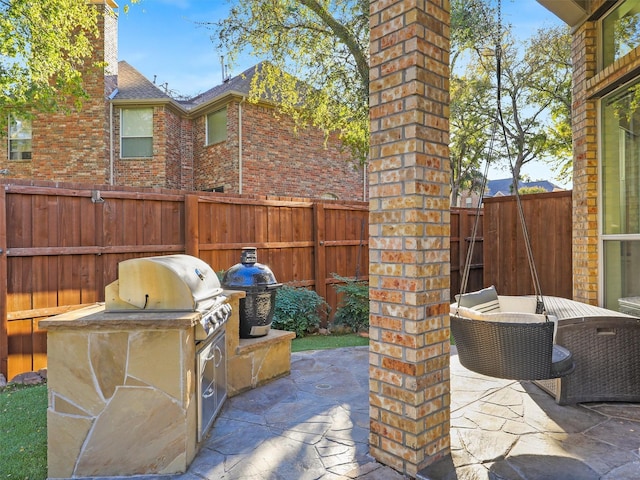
217,127
19,138
620,195
136,133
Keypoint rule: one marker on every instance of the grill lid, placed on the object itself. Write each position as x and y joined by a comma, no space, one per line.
250,275
170,282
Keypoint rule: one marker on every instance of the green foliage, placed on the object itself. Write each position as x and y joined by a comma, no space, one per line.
474,26
472,108
535,98
299,310
43,48
529,190
549,53
353,310
23,432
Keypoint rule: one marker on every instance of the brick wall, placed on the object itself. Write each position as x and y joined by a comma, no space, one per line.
276,160
590,85
585,168
409,228
209,171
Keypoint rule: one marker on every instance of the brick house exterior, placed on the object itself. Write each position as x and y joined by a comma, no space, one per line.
261,154
606,70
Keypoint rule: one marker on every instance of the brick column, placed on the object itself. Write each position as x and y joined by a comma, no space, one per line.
409,233
585,167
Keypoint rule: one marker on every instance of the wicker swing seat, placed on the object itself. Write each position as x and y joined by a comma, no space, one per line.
508,340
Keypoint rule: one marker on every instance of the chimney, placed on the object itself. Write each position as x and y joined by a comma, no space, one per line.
107,42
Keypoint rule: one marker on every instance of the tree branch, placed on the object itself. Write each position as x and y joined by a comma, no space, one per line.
344,35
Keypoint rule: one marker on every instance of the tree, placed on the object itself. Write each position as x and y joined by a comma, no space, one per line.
535,92
550,54
473,28
316,60
43,46
530,190
471,120
474,32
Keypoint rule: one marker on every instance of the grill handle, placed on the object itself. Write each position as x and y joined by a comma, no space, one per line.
209,393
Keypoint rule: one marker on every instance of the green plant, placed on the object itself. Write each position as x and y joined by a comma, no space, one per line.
353,309
299,310
23,432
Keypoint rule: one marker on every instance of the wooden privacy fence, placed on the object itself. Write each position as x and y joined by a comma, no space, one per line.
61,245
549,223
462,240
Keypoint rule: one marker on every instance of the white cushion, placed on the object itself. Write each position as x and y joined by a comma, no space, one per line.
485,300
510,303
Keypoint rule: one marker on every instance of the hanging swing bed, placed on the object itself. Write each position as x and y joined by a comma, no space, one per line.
510,337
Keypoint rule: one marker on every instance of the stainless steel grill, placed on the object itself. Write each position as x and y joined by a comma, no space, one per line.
181,283
172,283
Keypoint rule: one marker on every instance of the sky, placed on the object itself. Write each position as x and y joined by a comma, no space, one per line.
166,40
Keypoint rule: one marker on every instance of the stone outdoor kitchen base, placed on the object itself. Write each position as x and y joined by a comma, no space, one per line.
122,391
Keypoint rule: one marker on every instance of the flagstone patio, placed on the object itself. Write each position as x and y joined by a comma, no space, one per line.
314,424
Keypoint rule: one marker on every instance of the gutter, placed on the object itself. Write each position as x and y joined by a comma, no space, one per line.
365,180
244,98
111,168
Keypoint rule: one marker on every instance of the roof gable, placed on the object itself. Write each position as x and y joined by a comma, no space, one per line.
132,85
239,84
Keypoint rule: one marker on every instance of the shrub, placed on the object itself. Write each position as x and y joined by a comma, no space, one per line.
353,310
299,310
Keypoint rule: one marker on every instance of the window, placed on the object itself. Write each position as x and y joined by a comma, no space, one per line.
217,127
620,177
329,196
620,31
621,266
136,133
19,138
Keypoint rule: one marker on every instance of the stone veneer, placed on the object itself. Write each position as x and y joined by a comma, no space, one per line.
409,233
122,387
121,393
252,362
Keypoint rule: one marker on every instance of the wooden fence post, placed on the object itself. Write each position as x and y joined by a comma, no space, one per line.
191,225
320,263
4,340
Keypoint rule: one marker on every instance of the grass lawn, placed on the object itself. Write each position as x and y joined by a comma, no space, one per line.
23,432
322,342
